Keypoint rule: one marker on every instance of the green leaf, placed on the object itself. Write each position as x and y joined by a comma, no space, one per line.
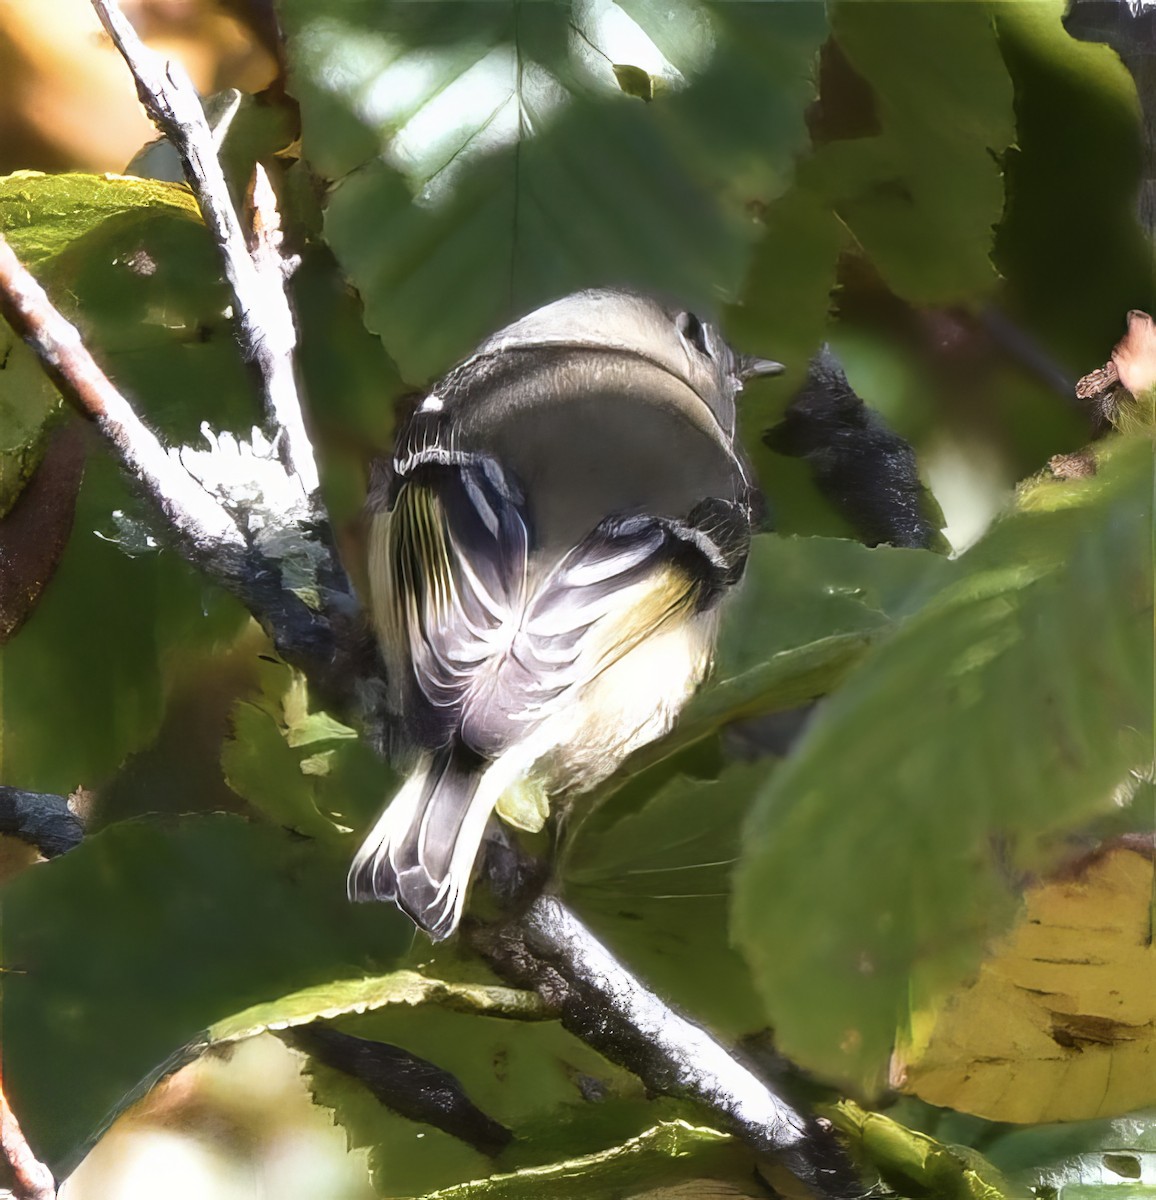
1078,1160
672,1152
903,183
43,215
807,610
28,404
783,311
1069,1152
1015,701
655,886
318,727
84,682
146,292
351,386
490,154
125,949
302,769
922,199
342,997
1078,136
261,766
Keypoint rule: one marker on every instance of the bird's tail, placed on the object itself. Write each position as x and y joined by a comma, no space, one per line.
422,850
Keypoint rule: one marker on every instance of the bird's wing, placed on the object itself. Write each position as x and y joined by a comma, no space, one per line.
624,582
492,655
449,560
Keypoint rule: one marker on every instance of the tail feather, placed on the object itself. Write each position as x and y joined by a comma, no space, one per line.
421,852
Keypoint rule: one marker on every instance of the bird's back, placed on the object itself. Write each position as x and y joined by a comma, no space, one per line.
587,435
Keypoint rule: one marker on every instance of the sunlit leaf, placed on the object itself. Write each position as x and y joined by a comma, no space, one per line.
301,768
672,1159
347,996
1002,714
1060,1024
43,215
488,153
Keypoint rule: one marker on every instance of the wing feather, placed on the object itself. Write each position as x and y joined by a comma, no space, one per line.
488,653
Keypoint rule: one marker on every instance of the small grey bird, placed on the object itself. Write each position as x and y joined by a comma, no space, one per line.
565,512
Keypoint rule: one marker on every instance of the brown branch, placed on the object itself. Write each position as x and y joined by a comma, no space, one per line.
33,1179
1093,385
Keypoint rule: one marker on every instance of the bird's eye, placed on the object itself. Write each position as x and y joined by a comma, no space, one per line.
694,332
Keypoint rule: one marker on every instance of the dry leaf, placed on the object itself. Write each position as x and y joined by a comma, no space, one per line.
1060,1024
1135,355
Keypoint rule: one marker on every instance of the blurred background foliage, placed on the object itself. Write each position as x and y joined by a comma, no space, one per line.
944,192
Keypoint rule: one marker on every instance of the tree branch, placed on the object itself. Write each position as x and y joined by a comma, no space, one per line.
203,527
321,643
600,1001
40,819
256,270
33,1179
413,1087
549,949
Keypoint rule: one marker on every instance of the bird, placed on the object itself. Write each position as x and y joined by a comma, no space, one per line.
564,514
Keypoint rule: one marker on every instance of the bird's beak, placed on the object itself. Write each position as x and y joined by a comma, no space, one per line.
754,368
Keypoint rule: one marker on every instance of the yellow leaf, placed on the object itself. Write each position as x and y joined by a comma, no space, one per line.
634,81
525,805
1060,1023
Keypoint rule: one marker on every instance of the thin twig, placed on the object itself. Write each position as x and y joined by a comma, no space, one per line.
33,1179
1097,382
205,532
1024,349
202,524
256,270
